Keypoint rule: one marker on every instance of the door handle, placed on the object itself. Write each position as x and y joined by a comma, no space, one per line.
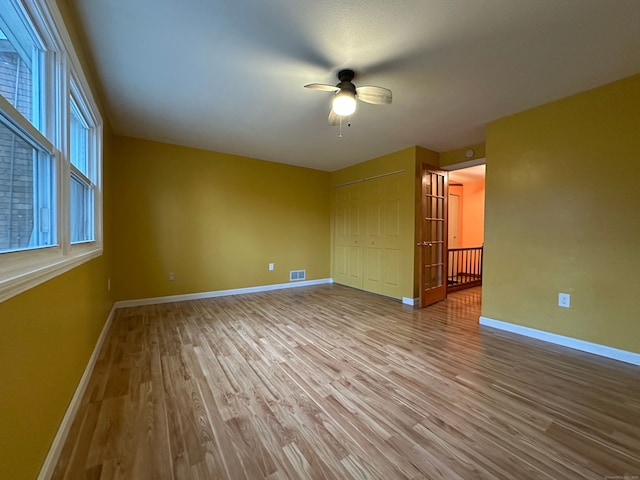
425,244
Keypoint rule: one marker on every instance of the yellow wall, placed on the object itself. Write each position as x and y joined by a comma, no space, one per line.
402,160
429,157
452,157
47,335
215,220
562,197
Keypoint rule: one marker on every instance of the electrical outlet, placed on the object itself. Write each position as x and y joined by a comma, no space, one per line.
172,276
564,300
271,266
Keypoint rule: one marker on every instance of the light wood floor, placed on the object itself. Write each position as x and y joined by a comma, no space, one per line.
329,382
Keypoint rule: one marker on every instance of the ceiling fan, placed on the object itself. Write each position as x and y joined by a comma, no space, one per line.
344,103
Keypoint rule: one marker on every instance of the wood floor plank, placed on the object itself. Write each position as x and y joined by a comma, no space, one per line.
328,382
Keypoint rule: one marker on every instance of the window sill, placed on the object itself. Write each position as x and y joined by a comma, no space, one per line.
21,279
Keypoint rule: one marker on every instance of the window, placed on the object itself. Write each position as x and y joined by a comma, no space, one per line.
50,150
82,175
21,55
26,194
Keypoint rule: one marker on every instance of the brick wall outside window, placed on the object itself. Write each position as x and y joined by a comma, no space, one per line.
16,158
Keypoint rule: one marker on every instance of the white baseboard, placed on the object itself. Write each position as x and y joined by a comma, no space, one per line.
595,348
218,293
410,301
50,462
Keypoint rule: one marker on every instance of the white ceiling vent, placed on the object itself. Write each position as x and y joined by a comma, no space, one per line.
297,275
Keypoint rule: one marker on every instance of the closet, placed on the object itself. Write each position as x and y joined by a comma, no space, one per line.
367,242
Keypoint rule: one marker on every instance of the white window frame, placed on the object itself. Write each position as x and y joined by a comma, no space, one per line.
94,147
24,269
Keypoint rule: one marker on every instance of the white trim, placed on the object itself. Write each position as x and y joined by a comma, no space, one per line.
469,163
36,273
410,301
595,348
46,472
20,126
218,293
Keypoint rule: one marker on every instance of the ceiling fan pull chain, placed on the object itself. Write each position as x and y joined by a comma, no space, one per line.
340,134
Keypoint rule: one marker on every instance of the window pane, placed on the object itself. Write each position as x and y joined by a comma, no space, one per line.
79,141
26,194
81,211
19,76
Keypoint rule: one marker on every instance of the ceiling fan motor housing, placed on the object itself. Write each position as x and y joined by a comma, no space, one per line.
345,77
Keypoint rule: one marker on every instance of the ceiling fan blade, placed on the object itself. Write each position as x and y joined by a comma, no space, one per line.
322,87
334,118
375,95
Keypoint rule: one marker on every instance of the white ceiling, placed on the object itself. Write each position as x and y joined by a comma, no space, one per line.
467,175
228,75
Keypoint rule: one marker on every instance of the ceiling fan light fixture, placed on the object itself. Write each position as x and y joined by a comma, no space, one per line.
344,103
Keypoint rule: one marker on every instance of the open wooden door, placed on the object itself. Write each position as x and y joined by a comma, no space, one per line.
433,235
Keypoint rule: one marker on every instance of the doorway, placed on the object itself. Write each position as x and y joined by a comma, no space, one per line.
454,219
451,237
466,227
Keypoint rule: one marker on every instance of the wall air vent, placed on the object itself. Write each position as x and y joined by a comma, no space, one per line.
297,275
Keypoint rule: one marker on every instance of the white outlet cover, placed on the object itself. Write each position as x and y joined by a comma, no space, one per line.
564,300
271,266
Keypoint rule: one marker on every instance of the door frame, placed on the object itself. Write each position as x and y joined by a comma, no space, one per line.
461,166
